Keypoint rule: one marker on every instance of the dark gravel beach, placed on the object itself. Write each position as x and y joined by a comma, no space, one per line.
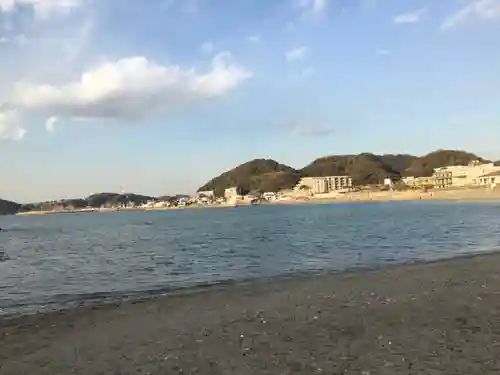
438,318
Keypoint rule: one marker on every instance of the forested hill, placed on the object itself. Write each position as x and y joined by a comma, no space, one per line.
8,207
364,168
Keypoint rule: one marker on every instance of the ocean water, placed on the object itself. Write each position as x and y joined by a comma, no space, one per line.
57,261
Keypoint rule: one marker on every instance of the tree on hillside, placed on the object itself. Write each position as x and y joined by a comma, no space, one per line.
363,168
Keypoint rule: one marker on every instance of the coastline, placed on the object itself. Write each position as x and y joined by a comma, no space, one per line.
120,209
467,195
362,322
410,195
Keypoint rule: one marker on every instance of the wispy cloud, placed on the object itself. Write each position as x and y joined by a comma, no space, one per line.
42,8
58,72
383,52
313,8
38,49
297,53
479,9
410,17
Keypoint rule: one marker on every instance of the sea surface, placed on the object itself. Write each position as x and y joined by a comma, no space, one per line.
59,261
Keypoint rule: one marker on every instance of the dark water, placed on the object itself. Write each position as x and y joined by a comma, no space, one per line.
60,260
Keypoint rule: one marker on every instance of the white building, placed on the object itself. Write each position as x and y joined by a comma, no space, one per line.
410,180
462,175
418,182
323,185
489,180
231,195
270,196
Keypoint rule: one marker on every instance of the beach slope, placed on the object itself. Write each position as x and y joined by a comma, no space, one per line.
438,318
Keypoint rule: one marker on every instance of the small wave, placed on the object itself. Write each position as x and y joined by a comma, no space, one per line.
27,229
4,257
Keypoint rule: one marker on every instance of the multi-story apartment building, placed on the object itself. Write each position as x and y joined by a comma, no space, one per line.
328,184
443,177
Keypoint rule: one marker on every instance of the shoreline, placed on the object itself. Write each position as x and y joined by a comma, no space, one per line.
351,321
458,195
133,297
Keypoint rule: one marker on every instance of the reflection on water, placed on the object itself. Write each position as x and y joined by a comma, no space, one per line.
59,260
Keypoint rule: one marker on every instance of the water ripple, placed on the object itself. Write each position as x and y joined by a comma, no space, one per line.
60,260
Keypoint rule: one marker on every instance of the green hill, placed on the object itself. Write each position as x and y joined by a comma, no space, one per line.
257,174
8,207
113,199
364,168
94,201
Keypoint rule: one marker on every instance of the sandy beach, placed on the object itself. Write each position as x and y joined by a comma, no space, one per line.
478,194
436,318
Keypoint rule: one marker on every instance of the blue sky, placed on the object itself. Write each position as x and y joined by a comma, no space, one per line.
161,95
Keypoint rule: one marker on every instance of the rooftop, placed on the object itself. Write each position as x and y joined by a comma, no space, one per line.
491,174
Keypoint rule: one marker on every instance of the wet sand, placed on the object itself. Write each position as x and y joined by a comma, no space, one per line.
437,318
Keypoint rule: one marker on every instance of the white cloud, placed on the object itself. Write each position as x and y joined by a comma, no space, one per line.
54,76
42,8
50,124
480,9
133,88
296,54
208,47
4,39
311,7
410,17
10,128
383,52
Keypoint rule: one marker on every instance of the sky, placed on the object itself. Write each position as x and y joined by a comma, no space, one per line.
159,96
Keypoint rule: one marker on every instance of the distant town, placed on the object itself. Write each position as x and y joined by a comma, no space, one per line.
475,175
